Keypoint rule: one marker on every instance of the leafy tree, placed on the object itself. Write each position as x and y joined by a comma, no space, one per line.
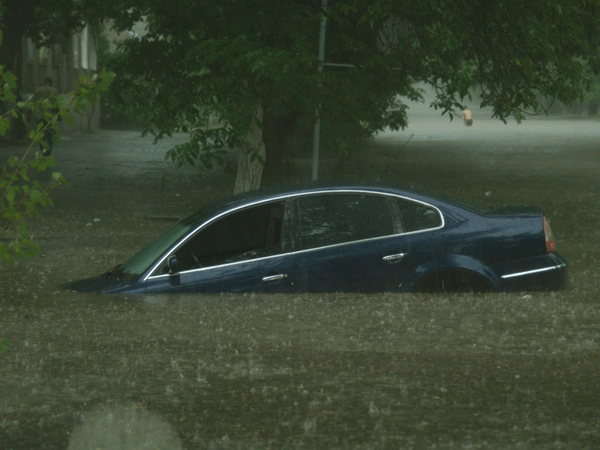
20,14
22,195
254,64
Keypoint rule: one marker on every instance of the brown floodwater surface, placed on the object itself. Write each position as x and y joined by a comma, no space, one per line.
328,371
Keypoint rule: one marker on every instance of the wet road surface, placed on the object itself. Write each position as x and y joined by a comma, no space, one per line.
304,371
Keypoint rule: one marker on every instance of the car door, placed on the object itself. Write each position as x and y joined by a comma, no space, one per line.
246,250
347,242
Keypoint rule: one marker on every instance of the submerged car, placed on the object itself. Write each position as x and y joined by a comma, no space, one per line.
344,238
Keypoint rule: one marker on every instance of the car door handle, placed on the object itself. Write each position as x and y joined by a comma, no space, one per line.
278,277
395,257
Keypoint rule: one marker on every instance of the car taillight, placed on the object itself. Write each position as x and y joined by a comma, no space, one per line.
550,247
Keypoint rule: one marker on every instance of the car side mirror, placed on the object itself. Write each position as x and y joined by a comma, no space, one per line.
173,264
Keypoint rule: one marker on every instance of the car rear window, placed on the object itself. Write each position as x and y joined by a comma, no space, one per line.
417,216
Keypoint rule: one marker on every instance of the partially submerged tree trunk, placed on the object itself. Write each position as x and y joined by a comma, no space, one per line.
276,132
250,167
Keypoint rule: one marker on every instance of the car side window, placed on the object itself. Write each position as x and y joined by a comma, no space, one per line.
417,216
329,219
247,234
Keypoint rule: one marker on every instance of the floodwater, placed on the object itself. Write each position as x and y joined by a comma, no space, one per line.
332,371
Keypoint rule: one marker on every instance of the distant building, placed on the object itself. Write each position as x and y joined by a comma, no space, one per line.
115,38
65,63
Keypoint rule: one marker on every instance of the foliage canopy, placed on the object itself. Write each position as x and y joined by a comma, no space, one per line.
22,194
205,57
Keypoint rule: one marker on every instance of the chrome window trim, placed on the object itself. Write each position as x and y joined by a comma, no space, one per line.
203,225
285,197
218,266
531,272
389,236
429,206
384,193
387,194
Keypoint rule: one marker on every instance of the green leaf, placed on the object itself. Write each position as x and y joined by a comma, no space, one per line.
10,194
4,126
4,343
59,178
35,195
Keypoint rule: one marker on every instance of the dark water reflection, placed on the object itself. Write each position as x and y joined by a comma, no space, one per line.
305,371
300,371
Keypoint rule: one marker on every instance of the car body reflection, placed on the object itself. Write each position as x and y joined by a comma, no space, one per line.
344,238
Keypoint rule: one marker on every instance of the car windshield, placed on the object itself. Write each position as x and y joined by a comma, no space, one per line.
143,259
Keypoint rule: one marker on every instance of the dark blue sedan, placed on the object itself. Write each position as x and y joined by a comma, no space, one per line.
344,238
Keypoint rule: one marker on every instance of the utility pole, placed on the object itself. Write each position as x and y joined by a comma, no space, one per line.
317,132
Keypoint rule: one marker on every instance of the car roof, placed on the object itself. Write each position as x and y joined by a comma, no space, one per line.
283,191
